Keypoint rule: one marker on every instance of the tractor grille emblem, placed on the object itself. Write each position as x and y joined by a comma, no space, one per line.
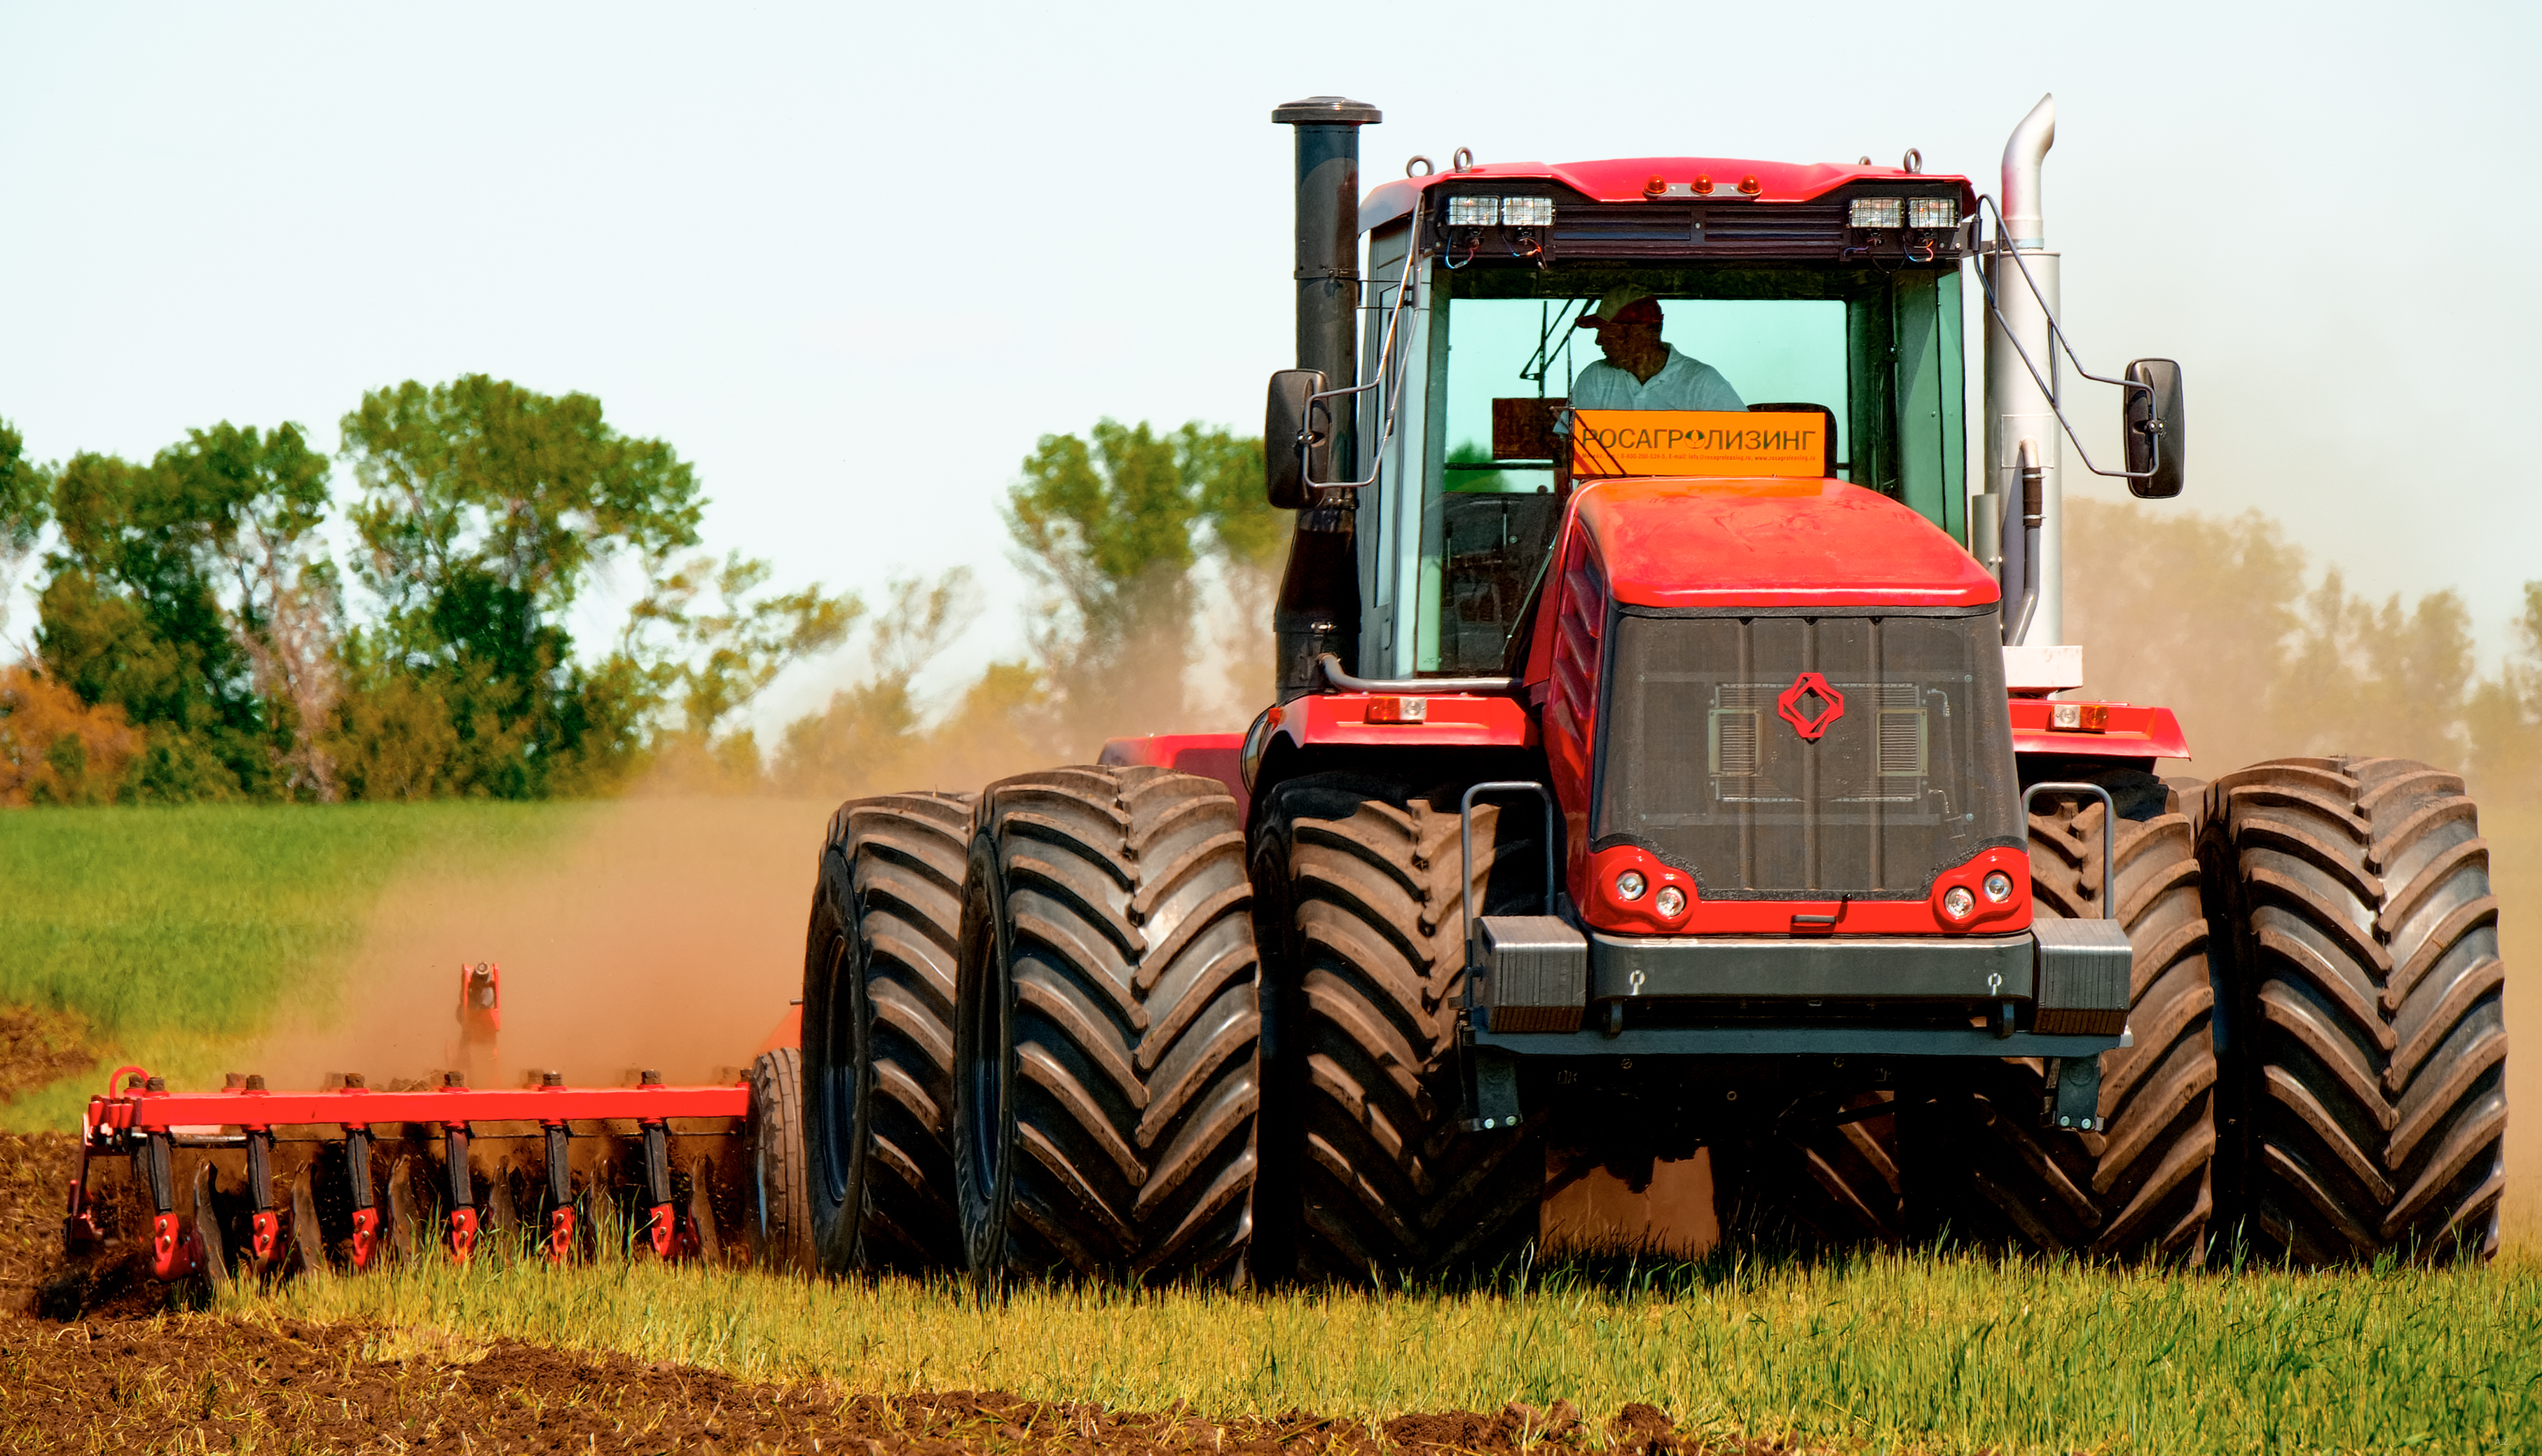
1809,705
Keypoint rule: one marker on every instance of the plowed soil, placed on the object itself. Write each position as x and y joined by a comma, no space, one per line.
39,1046
128,1376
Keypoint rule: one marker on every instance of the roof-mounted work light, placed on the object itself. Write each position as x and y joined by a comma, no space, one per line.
1875,213
1935,214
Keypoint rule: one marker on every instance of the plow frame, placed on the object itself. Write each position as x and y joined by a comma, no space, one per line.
672,1156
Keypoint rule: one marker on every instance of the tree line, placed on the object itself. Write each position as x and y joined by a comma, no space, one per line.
200,636
2224,621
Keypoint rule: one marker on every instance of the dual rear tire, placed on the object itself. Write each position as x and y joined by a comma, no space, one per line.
2367,1114
877,1048
1105,1053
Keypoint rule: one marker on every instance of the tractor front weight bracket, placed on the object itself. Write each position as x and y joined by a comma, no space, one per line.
2073,1101
1490,1088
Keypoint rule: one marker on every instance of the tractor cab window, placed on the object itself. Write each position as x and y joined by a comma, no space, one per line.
1508,348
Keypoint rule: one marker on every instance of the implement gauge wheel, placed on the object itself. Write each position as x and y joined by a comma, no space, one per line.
781,1204
1366,1166
877,1039
1104,1048
2364,988
1979,1160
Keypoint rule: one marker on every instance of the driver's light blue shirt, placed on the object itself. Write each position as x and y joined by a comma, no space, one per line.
1683,383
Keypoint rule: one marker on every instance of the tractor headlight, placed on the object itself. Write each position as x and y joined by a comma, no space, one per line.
1473,211
1937,214
1957,903
1874,212
1527,211
1998,886
1630,884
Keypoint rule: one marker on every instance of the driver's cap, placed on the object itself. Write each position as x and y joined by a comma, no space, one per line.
1625,304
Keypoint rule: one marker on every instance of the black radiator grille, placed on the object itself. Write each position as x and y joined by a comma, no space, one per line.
1911,771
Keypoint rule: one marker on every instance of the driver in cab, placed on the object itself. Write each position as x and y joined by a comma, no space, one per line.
1641,372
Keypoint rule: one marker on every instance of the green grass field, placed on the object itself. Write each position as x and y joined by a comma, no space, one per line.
176,933
1889,1351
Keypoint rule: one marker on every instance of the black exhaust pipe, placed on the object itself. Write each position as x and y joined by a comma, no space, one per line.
1319,606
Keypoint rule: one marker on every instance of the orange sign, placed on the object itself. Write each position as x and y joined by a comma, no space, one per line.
1699,442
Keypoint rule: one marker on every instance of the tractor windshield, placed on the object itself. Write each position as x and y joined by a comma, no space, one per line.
1507,349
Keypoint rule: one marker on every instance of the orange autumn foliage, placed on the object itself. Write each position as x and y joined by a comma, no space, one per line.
56,749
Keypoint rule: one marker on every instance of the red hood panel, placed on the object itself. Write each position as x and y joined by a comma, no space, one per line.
1772,543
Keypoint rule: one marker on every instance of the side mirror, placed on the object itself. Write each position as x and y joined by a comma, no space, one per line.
1297,442
2156,424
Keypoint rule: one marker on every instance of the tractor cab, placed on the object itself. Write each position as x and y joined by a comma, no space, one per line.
1825,301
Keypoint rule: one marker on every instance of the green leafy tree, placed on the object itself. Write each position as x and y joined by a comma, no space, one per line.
26,503
134,615
704,642
871,736
484,508
1112,527
725,647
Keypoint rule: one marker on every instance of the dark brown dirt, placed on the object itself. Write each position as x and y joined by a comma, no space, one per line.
198,1382
123,1377
34,1176
41,1048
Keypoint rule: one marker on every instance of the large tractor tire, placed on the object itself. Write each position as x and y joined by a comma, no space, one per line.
2141,1185
1367,1171
2364,990
879,978
780,1172
1106,1042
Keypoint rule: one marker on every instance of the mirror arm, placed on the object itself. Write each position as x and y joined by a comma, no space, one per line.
2056,339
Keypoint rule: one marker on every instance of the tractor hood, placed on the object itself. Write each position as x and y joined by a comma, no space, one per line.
1772,543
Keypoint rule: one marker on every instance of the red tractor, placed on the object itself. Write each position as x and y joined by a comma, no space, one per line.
1676,776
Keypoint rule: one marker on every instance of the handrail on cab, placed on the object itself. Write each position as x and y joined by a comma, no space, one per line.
1331,666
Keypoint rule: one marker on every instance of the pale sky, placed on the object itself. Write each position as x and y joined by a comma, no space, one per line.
851,260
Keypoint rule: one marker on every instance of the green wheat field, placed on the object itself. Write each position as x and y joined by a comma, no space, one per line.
176,934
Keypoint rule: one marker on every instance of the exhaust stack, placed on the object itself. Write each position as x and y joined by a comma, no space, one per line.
2024,443
1319,605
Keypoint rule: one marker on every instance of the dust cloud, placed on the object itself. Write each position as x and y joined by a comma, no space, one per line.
661,933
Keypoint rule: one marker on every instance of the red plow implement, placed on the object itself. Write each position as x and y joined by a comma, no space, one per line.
255,1181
